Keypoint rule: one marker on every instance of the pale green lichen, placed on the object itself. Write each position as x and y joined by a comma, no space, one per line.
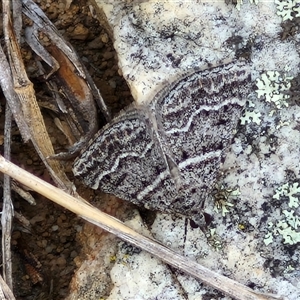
288,226
292,219
222,205
274,87
288,9
251,116
289,191
289,269
285,228
288,229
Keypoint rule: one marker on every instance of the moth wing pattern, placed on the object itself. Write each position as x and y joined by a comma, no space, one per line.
123,160
166,156
196,118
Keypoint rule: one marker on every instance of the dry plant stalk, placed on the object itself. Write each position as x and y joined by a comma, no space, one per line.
5,291
29,106
79,87
11,96
7,210
69,82
113,225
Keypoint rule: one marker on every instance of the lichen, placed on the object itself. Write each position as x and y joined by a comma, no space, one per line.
222,197
113,258
282,123
289,191
288,226
214,239
274,87
251,117
288,9
222,205
292,219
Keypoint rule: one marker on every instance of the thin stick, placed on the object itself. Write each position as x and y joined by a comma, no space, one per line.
29,106
5,291
112,225
12,99
7,210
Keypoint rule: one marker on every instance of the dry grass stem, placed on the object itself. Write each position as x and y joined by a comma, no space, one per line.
112,225
7,209
5,291
29,106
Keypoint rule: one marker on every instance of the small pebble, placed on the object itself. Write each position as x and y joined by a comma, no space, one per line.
55,227
37,219
96,43
80,32
63,217
49,248
61,261
108,55
73,254
62,239
42,243
112,83
104,38
59,248
77,260
78,228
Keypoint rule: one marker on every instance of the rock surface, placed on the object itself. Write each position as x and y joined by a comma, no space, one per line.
254,236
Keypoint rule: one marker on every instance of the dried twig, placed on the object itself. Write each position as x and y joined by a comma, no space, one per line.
21,192
31,112
17,18
5,291
32,11
21,95
12,99
7,210
25,223
112,225
78,92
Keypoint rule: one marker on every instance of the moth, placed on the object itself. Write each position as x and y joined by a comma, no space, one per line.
166,154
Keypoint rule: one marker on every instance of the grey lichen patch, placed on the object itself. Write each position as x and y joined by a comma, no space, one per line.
274,86
290,191
251,117
288,9
287,227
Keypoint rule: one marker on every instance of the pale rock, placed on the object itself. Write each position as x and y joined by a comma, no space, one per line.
157,40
